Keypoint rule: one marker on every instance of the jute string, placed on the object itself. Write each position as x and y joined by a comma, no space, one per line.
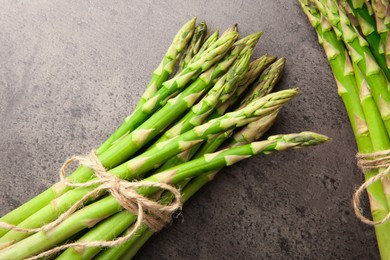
371,161
152,213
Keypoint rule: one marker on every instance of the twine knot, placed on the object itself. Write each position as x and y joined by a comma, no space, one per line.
125,192
371,161
152,213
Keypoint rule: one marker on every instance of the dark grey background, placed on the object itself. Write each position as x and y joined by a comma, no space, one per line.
70,71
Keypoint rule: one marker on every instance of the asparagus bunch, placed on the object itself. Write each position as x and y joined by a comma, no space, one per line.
357,60
119,148
179,134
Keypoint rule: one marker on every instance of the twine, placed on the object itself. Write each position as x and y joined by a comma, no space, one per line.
152,213
366,162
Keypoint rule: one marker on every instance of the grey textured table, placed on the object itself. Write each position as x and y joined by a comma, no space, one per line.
70,71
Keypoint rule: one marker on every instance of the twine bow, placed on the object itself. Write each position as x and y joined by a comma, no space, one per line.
371,161
152,213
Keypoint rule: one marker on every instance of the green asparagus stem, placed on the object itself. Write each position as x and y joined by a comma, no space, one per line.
150,159
211,41
253,131
208,42
167,65
255,69
268,79
123,148
41,241
379,138
195,45
175,106
347,88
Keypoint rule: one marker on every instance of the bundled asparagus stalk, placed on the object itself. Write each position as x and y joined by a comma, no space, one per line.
194,138
357,60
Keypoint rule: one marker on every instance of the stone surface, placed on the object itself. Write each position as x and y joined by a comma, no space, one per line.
70,71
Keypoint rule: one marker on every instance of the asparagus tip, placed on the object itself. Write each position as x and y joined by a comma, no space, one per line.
231,29
271,59
305,138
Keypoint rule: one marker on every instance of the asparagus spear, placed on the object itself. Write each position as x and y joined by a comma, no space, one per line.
118,152
256,67
41,241
268,79
208,42
195,45
379,138
167,65
153,157
233,155
347,89
254,130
